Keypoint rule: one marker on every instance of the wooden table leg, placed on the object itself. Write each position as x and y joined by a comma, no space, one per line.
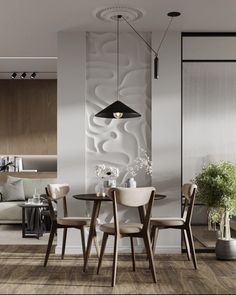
37,212
23,222
92,231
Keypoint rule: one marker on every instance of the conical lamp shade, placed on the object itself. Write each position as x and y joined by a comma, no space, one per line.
117,110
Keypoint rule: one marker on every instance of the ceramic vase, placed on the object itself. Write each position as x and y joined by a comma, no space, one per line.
131,182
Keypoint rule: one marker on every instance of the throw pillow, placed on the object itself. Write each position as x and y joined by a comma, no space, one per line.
30,184
14,191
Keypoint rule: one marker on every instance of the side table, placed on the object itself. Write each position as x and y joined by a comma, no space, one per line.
37,221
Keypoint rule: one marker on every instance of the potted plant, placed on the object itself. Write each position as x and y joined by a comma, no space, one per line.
217,190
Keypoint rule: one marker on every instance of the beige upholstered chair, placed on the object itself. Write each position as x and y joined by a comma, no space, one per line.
130,197
188,192
54,193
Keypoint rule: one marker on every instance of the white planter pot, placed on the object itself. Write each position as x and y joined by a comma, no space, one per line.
226,249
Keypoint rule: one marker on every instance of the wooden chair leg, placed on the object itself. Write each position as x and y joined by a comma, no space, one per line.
154,239
83,241
184,234
64,243
152,231
147,242
104,241
115,258
132,251
191,244
95,241
50,240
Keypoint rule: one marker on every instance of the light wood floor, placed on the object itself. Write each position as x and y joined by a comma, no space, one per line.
22,271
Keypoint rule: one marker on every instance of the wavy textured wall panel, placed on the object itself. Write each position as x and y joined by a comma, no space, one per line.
116,142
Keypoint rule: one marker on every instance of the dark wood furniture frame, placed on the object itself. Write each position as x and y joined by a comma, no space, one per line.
31,234
144,234
185,228
55,225
94,216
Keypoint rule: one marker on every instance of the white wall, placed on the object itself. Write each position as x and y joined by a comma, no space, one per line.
209,47
166,135
117,142
71,123
166,129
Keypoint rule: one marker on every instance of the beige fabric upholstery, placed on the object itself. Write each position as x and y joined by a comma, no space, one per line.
74,221
187,189
130,197
133,197
30,184
125,228
58,191
159,222
184,224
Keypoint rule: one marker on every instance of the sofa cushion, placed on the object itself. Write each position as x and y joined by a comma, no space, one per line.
11,211
30,184
13,191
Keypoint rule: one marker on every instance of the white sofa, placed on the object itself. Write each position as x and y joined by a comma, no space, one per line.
10,211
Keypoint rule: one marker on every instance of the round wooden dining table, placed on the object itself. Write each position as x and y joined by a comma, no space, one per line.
97,201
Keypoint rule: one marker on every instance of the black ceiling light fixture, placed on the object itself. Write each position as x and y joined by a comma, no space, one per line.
23,75
33,75
118,110
13,76
156,60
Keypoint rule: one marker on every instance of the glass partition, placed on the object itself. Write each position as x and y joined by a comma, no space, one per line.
209,124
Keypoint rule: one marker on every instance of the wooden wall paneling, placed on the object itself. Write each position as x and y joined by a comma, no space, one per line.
28,121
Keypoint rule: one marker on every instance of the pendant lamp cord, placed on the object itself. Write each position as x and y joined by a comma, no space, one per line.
148,45
117,56
164,35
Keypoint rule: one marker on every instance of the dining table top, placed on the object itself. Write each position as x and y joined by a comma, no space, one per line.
94,197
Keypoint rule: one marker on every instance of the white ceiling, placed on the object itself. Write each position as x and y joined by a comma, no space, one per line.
44,68
30,27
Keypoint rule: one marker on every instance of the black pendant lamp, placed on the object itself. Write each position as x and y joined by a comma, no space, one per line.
118,110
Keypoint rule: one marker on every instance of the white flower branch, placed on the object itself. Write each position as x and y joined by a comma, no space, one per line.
104,172
141,162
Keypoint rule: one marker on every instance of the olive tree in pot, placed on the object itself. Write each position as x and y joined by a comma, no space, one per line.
217,190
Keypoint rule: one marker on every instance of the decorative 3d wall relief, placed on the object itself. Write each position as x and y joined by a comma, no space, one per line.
116,142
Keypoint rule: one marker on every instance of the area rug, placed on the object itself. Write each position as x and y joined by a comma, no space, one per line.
11,234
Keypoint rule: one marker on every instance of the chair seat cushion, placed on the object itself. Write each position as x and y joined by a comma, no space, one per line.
74,221
125,228
167,221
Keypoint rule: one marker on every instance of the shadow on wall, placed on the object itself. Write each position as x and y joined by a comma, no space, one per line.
40,163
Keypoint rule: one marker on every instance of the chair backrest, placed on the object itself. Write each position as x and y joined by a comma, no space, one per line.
189,191
55,192
133,197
